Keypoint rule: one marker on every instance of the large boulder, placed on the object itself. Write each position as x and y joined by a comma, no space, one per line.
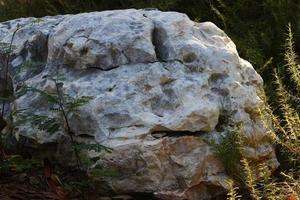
164,88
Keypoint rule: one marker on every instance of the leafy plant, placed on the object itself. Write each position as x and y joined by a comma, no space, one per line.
60,104
6,49
228,150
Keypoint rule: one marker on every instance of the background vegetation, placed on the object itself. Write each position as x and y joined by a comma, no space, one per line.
259,30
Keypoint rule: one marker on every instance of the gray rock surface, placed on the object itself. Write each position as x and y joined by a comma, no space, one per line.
162,87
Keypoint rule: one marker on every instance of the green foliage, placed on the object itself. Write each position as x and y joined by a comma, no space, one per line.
17,164
52,98
228,150
103,173
4,48
56,105
51,125
85,160
6,51
73,104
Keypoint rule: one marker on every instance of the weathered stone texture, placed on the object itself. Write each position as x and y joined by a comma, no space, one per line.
160,82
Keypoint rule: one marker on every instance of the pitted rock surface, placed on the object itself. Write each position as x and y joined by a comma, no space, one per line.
162,87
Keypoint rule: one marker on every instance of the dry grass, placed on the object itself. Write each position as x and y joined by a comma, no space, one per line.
284,129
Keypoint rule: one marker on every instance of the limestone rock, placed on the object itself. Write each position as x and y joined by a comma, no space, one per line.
163,87
104,40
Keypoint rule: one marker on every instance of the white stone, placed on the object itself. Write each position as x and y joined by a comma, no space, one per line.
160,82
